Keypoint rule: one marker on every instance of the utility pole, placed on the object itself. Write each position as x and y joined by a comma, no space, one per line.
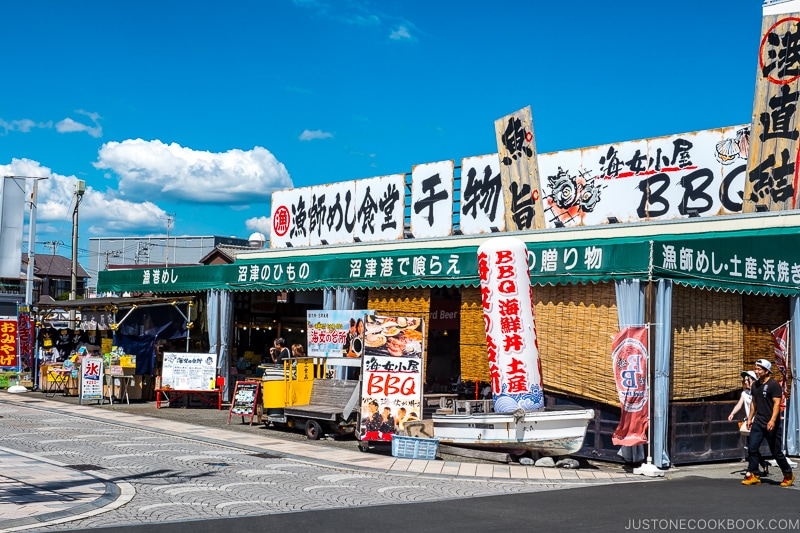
170,217
80,188
112,253
53,245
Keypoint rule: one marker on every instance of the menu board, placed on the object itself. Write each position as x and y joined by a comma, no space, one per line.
189,371
245,400
391,375
91,385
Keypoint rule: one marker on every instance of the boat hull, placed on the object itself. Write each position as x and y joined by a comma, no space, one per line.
550,432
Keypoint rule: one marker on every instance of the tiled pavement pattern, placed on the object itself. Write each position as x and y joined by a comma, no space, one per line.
79,466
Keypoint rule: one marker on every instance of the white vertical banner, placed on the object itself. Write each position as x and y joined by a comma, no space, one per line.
481,195
379,208
12,220
432,200
510,327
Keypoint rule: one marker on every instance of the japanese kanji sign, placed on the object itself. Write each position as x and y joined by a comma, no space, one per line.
512,350
8,344
698,173
481,195
432,200
516,147
771,183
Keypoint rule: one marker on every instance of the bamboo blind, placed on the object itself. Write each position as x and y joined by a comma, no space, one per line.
575,325
707,343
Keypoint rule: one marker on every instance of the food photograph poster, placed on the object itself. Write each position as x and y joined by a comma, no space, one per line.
335,333
391,375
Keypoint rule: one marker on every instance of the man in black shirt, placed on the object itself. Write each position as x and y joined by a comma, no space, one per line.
764,423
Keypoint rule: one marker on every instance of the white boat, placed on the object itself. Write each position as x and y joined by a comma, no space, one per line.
550,432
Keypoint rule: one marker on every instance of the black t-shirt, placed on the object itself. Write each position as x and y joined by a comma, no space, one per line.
283,354
764,400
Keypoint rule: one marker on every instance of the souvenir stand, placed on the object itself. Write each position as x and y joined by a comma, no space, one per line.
130,325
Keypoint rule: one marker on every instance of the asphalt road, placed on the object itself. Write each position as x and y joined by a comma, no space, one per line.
676,505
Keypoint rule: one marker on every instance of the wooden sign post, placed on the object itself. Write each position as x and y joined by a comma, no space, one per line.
245,400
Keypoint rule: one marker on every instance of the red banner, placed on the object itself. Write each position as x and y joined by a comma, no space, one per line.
629,358
8,344
779,343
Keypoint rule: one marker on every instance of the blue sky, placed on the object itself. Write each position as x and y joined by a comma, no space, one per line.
198,110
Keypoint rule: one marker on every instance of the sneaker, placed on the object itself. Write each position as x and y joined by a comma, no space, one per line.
752,479
788,480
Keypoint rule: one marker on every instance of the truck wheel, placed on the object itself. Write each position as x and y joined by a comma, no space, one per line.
363,445
313,430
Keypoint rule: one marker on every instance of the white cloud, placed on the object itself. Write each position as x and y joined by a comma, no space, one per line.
149,169
24,125
66,125
262,224
103,212
309,135
401,33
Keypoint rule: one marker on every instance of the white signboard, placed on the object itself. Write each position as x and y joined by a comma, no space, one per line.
692,174
481,195
432,200
189,371
290,218
91,386
331,214
379,208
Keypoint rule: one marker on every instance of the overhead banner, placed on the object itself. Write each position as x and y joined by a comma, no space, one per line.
573,261
630,365
772,171
366,210
697,174
519,171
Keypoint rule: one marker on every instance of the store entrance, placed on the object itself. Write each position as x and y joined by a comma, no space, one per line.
444,352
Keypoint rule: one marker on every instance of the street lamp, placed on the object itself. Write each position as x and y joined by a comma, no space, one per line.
80,188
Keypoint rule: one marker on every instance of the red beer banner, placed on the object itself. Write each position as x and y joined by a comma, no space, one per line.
8,344
629,358
779,343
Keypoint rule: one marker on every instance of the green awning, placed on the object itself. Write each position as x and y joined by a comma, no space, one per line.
579,261
759,255
764,261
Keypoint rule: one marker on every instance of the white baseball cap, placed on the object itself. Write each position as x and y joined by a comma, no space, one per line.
750,374
766,365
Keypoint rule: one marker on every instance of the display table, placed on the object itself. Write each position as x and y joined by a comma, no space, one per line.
57,379
116,385
211,397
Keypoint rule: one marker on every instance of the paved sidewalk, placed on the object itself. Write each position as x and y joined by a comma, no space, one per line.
37,490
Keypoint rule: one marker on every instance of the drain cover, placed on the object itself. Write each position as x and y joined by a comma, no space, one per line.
266,455
84,468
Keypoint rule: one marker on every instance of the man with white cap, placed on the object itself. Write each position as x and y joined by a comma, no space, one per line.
765,424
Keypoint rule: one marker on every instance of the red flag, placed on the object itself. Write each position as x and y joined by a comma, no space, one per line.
779,341
629,358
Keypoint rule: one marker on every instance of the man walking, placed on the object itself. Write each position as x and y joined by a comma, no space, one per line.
764,424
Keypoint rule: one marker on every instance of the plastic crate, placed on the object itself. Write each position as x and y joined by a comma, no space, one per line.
414,447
